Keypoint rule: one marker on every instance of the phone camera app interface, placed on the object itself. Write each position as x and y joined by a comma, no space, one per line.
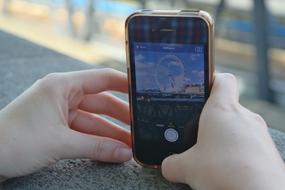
170,89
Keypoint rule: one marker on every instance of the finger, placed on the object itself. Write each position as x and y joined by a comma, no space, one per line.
107,104
95,81
172,169
79,145
178,167
95,125
225,88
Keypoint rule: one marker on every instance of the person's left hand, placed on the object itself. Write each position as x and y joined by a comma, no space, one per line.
59,118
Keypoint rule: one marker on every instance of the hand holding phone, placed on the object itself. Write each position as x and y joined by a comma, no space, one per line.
234,148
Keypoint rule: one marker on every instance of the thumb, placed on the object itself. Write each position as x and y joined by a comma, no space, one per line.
80,145
178,167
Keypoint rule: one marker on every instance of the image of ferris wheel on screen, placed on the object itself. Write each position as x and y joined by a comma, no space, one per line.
169,70
169,74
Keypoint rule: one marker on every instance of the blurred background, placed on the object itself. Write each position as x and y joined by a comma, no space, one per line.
250,38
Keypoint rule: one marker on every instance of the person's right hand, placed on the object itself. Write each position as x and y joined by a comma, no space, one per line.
234,149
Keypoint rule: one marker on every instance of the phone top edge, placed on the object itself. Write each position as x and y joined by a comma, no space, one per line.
170,13
148,12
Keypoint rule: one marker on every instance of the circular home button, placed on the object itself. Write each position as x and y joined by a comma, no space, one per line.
171,135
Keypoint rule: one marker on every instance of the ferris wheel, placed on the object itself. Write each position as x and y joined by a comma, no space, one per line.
169,74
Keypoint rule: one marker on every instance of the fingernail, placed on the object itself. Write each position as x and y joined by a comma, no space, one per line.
123,154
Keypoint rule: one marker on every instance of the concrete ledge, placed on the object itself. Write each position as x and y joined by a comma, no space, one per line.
86,174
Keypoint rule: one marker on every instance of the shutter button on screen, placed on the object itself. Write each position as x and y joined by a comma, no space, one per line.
171,135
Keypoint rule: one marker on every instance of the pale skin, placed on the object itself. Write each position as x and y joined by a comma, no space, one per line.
234,149
59,117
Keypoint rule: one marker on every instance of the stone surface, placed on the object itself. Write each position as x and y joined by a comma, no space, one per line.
21,64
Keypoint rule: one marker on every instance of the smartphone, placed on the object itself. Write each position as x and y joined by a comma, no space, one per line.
170,72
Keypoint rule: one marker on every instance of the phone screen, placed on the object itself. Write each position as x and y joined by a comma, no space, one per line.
169,66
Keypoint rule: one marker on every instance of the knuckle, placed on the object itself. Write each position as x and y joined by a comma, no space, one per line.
52,77
109,70
230,76
52,82
259,119
225,106
109,75
98,149
220,79
108,100
165,168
